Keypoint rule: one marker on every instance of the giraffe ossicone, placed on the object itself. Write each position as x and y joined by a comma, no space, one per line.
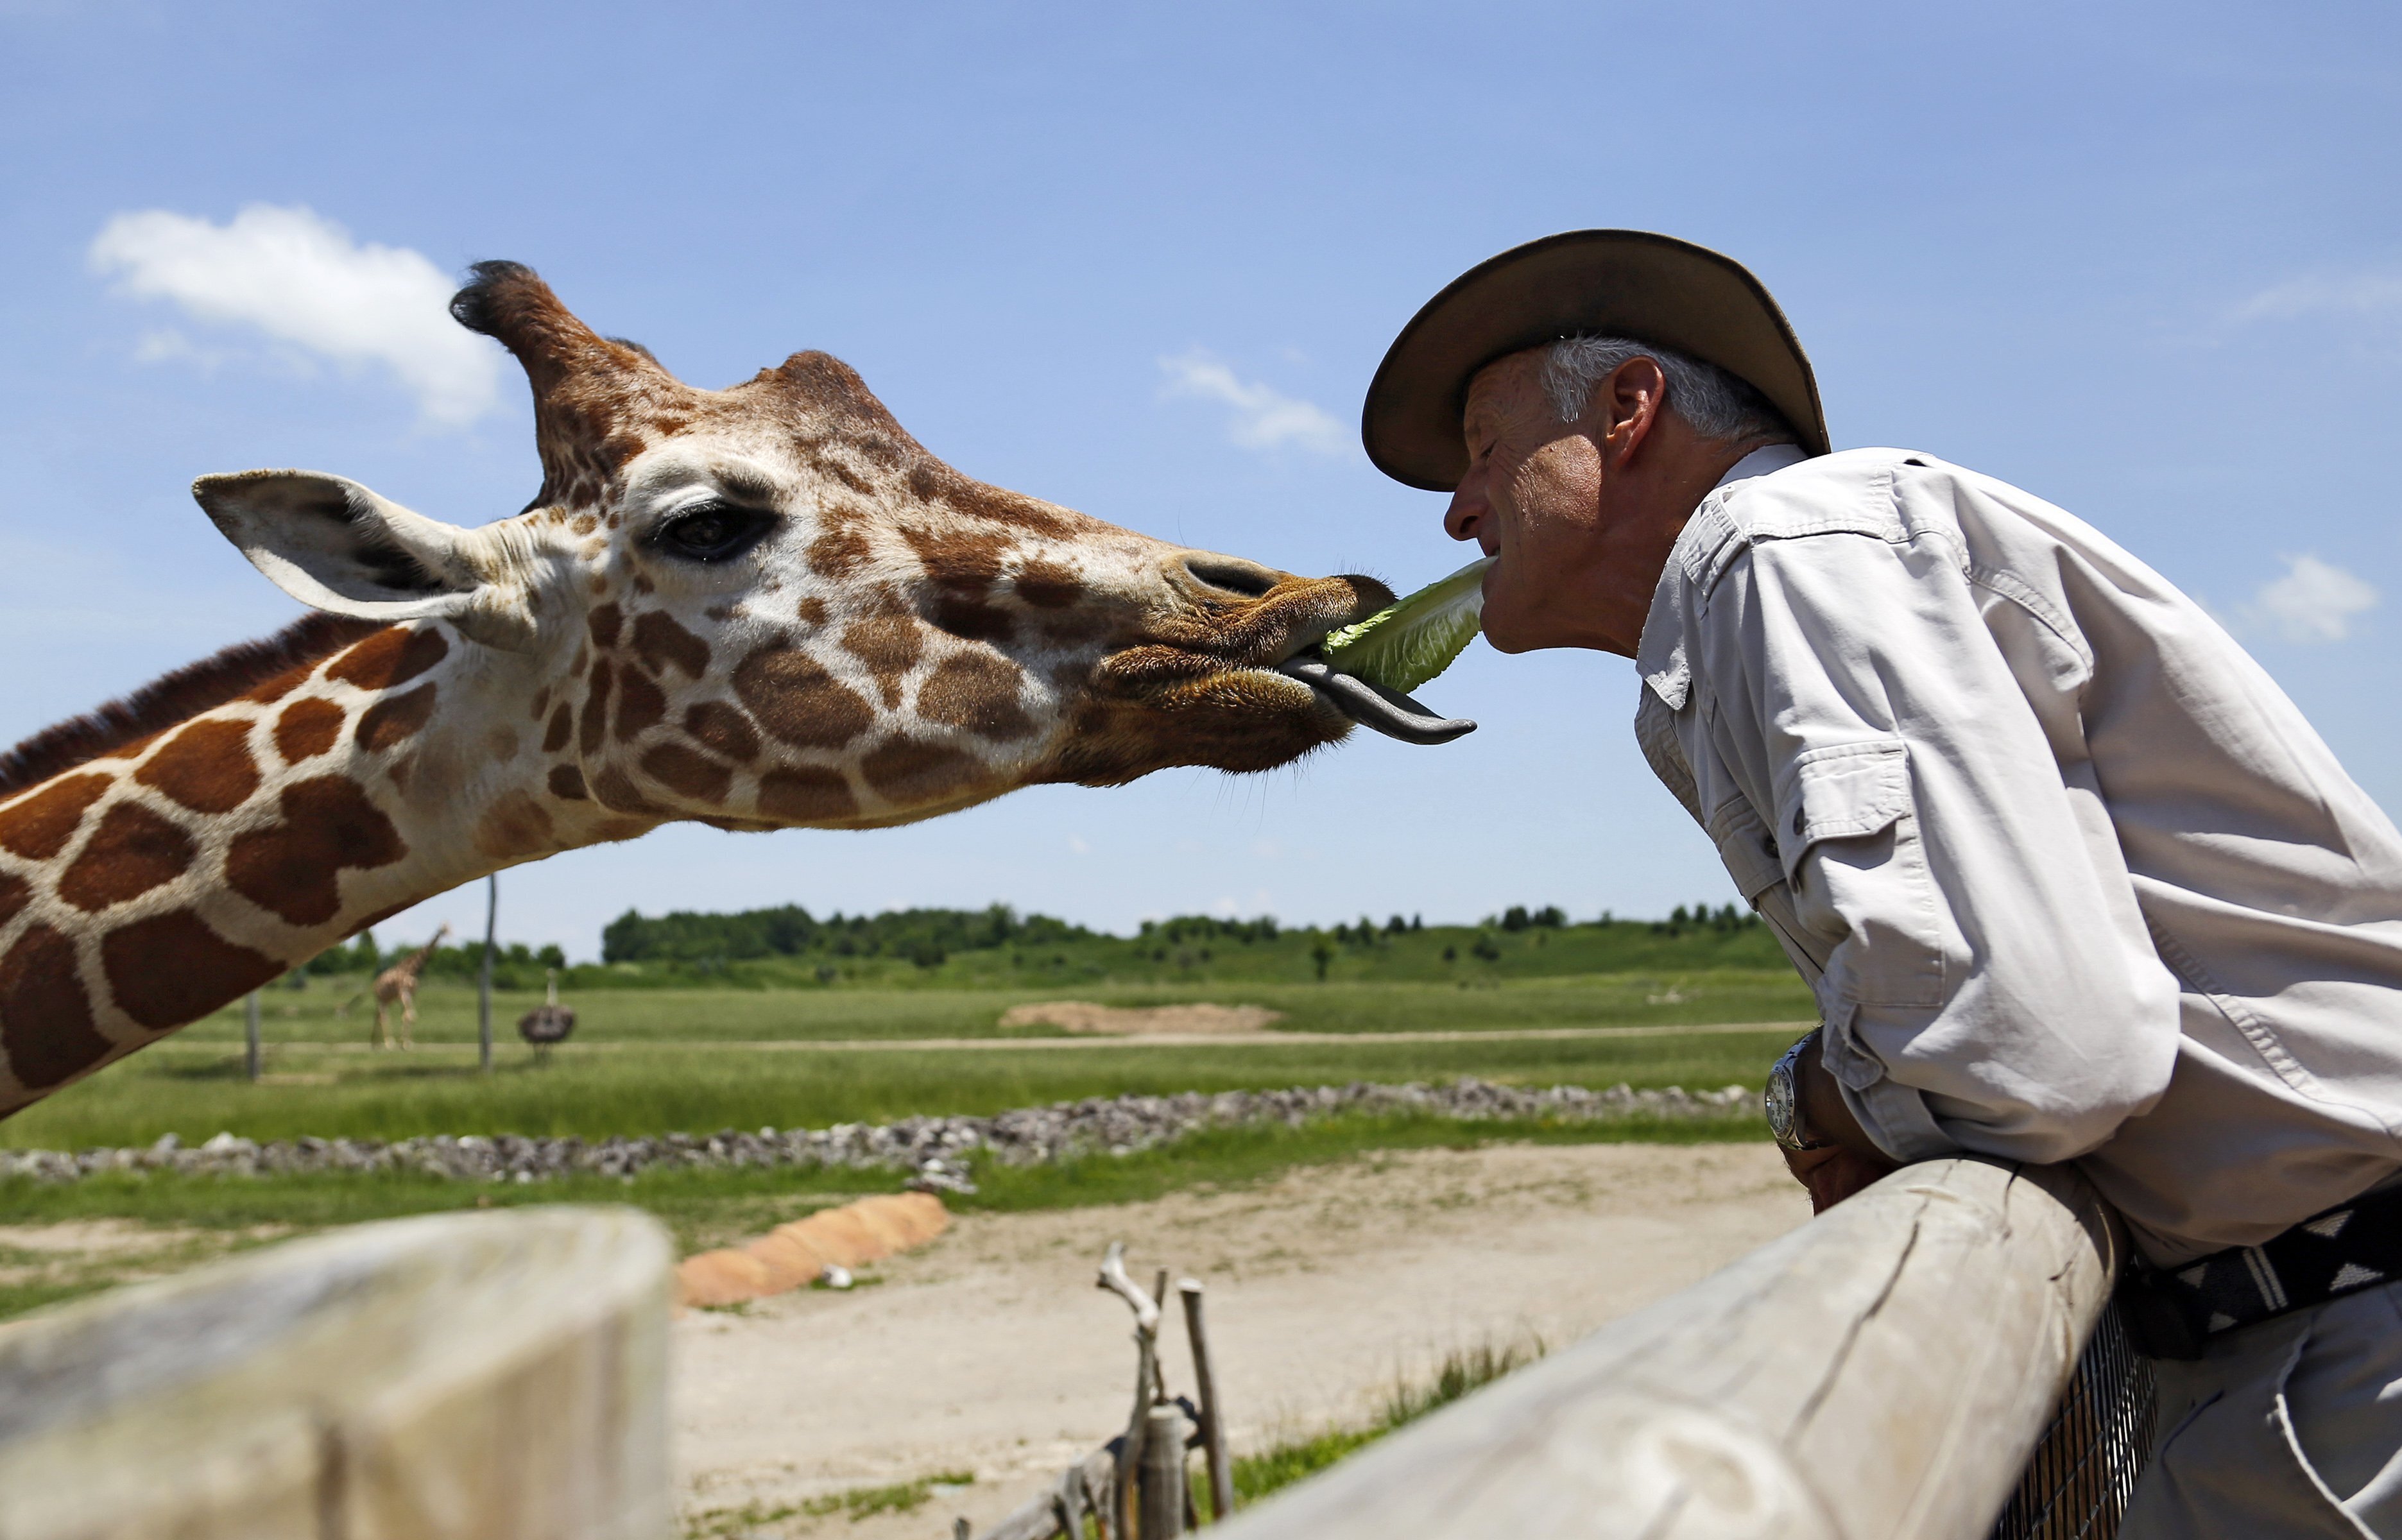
763,607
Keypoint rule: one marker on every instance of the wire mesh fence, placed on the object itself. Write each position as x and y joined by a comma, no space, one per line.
2084,1467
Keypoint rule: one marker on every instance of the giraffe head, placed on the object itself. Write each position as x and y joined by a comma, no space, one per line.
769,606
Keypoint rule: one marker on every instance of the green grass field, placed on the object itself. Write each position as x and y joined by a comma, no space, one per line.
660,1060
633,1076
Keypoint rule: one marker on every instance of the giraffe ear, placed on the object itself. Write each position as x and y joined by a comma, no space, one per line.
332,543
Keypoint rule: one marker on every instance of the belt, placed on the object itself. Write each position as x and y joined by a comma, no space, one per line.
2171,1312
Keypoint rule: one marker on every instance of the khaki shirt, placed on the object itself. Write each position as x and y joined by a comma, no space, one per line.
2070,875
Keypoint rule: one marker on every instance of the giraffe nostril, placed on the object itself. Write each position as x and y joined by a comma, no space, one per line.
1229,575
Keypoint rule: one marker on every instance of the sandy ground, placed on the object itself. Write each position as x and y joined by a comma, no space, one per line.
991,1351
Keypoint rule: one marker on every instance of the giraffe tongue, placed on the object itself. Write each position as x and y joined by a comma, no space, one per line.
1387,711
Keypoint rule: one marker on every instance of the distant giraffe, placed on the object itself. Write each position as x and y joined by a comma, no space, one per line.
397,985
759,608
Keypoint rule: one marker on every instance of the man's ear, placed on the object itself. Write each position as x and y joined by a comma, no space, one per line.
333,544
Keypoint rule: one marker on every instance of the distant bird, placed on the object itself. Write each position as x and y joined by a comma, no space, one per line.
549,1022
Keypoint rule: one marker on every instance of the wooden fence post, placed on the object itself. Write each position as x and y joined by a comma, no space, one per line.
492,1375
1160,1487
1879,1374
1213,1419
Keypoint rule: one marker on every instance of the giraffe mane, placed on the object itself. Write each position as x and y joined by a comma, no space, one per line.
176,697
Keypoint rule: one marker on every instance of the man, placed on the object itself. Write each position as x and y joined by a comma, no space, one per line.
2070,878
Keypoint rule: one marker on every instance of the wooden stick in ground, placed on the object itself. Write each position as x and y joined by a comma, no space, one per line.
1146,1384
1113,1278
1162,1483
1213,1420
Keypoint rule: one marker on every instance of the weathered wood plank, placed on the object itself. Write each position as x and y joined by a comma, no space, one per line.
1880,1373
496,1376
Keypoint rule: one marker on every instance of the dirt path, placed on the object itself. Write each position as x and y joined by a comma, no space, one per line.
991,1350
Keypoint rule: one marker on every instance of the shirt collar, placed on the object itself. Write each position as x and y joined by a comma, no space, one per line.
1660,656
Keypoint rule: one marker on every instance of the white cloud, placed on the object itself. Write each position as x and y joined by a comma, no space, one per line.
1264,417
301,280
2356,295
2315,601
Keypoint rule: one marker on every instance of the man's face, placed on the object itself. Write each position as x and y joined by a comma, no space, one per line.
1533,497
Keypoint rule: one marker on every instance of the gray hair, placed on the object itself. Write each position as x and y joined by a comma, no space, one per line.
1715,403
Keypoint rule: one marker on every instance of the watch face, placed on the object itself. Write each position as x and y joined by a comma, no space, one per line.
1777,1101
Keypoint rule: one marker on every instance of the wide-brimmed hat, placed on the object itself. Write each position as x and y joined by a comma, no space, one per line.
1652,288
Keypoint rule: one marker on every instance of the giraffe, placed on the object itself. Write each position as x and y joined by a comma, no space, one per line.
397,985
761,608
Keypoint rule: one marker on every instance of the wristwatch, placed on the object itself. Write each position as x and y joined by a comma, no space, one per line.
1782,1100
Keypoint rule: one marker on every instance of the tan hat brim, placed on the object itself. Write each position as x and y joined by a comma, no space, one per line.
1653,288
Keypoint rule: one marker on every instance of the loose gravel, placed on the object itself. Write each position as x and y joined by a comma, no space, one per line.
935,1148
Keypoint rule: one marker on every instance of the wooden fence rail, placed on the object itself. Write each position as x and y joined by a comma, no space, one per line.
1881,1373
496,1376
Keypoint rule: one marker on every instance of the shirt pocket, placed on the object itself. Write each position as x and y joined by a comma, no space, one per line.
1847,830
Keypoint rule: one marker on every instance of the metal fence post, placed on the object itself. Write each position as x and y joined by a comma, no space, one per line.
484,981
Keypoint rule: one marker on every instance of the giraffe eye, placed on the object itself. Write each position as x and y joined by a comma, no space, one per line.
712,531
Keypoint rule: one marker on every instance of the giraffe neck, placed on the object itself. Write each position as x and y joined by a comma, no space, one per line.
171,877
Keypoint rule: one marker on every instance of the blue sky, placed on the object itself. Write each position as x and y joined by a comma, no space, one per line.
2142,260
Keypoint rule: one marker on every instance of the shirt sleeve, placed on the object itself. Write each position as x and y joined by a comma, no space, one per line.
1987,978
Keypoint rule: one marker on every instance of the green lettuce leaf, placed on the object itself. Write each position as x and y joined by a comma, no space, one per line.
1409,644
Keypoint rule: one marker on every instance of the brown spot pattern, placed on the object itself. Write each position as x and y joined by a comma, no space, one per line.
890,645
172,969
595,720
603,623
978,692
132,851
207,766
806,795
15,893
908,770
513,828
961,559
616,790
660,642
722,727
563,722
293,869
837,552
306,729
799,702
971,619
640,705
390,657
811,612
44,1020
687,774
1048,585
393,720
567,783
39,827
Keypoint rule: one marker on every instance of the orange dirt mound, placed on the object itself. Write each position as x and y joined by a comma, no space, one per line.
1201,1020
792,1255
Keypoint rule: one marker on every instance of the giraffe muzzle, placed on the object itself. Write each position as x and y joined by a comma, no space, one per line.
1373,705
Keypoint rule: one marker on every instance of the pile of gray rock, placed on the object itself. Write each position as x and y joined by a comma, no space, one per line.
936,1149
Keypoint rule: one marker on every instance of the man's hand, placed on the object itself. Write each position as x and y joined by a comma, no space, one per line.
1835,1173
1852,1160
